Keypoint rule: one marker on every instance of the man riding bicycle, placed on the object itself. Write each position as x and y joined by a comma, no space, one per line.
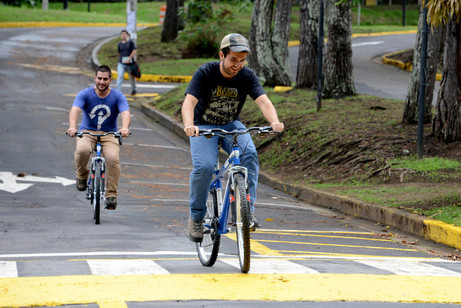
214,98
101,106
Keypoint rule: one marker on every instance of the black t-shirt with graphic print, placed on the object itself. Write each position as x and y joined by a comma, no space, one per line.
220,100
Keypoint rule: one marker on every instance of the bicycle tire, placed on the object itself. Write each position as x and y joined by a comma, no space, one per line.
97,194
242,222
209,247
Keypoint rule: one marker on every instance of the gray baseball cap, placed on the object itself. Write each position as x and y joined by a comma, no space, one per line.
236,42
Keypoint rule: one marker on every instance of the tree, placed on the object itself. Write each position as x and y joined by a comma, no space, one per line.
339,81
306,76
434,48
269,62
447,121
171,22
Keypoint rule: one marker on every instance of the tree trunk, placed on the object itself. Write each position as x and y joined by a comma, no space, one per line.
306,76
281,34
170,25
447,121
181,21
339,81
262,59
434,47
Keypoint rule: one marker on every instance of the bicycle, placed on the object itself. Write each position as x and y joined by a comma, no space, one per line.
236,199
96,189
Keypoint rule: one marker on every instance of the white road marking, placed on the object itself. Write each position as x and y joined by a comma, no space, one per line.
261,266
157,166
159,183
8,269
10,181
125,267
367,43
156,146
99,253
400,267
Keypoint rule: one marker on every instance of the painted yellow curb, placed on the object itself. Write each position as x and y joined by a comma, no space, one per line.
84,289
158,78
443,233
49,24
408,66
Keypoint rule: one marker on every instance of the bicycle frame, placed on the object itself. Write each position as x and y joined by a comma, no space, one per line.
97,159
230,167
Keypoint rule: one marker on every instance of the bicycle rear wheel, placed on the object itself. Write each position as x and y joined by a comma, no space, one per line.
242,222
97,194
209,247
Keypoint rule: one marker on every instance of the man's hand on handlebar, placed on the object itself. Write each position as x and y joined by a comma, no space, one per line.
125,132
191,130
72,131
277,126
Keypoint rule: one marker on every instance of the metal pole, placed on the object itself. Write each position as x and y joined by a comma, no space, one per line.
131,10
320,59
89,2
404,12
422,85
65,5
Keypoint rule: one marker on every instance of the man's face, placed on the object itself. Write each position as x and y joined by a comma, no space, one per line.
102,80
232,63
124,36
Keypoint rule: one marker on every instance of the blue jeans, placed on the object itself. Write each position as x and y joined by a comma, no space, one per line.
121,69
204,158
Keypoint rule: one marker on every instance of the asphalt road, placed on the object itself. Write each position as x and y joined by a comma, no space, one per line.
51,252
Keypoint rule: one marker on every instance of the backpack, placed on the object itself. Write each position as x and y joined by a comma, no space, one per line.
135,70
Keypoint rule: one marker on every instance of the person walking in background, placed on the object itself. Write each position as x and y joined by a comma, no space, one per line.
214,98
101,106
126,52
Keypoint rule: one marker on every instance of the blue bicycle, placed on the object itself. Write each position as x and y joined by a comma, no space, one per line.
96,188
236,199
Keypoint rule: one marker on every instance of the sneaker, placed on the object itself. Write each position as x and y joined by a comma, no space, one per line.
254,222
81,184
111,203
133,92
195,230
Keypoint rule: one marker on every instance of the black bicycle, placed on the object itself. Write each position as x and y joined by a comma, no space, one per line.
96,188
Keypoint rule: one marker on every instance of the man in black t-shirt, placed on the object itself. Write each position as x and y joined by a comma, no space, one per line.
126,52
214,98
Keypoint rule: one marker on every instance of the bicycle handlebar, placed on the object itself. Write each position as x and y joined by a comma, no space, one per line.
117,135
208,133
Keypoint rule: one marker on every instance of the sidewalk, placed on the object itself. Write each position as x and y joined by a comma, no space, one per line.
429,229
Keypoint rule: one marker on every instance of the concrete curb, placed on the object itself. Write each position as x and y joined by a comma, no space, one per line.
406,66
434,230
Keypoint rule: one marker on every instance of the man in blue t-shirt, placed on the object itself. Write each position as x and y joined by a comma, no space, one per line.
101,106
214,98
126,53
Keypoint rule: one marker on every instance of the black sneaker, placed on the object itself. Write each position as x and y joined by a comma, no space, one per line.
133,93
254,222
81,184
195,230
111,203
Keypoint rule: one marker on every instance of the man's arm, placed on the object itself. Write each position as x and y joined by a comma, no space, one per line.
126,121
73,118
269,112
187,112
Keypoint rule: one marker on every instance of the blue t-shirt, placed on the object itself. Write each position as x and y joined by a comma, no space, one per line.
100,113
220,100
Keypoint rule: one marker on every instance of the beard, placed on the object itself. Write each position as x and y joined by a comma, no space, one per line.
102,87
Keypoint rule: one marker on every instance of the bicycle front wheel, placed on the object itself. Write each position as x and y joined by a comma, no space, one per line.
242,222
97,194
209,247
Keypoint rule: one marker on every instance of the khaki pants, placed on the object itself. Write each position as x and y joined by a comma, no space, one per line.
110,151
